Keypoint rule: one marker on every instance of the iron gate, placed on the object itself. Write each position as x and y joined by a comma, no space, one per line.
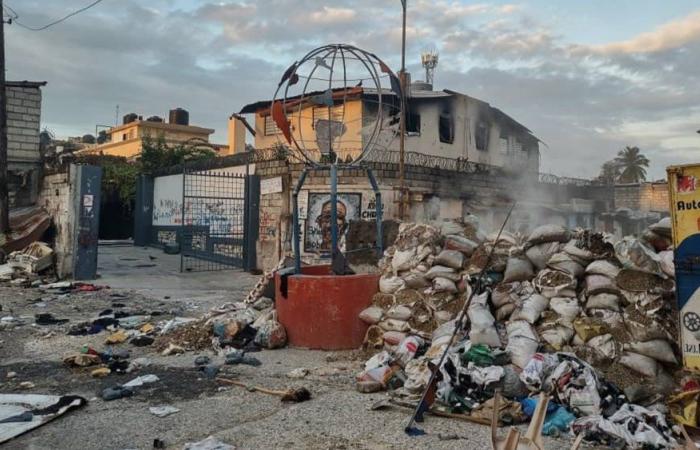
217,220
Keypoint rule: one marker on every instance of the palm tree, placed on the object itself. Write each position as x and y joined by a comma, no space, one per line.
609,173
632,164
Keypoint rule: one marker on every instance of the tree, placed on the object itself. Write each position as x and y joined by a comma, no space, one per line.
632,165
609,173
88,139
157,154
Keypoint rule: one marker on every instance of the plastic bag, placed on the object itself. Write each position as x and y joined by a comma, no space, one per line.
548,233
505,311
596,284
557,336
394,325
415,281
604,344
662,227
449,227
393,337
641,364
407,349
555,283
659,349
483,329
417,375
522,342
441,284
390,284
603,267
531,308
399,312
518,269
403,259
541,253
567,308
582,255
562,261
371,315
603,301
461,244
440,271
450,258
537,368
634,254
667,264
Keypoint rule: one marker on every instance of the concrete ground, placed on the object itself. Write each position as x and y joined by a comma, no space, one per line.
337,416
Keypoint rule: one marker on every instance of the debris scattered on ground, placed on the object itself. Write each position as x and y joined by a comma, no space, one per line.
294,395
300,372
163,411
558,311
210,443
15,409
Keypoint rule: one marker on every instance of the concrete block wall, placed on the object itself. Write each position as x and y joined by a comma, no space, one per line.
643,196
23,155
55,196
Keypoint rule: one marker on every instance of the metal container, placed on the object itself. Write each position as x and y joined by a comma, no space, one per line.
684,197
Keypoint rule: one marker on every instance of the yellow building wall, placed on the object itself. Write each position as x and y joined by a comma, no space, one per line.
132,145
303,131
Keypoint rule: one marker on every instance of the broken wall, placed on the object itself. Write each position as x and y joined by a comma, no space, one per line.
643,196
55,195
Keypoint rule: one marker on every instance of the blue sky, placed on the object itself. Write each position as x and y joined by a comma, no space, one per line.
588,77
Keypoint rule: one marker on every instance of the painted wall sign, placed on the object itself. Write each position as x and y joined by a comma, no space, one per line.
317,233
271,185
303,204
684,196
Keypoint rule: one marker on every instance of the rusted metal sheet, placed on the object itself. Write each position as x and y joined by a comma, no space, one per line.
27,225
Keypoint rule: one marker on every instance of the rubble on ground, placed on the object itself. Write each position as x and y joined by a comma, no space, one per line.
573,313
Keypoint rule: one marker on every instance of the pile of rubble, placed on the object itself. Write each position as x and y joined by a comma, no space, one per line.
572,313
24,267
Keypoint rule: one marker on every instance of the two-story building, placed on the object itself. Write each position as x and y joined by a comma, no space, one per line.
439,123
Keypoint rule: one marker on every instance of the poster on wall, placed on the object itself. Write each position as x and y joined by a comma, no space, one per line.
317,232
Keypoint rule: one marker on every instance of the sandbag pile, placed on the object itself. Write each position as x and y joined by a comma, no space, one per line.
574,308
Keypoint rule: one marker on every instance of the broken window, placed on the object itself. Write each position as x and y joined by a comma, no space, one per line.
412,123
504,145
482,136
271,128
446,128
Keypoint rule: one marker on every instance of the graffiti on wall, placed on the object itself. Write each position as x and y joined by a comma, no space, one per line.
317,232
167,212
222,216
268,226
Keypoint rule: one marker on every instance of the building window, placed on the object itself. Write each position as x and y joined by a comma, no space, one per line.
482,136
446,128
412,123
271,127
321,113
124,136
503,145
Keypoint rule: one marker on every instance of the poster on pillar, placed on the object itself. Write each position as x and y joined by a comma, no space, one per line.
317,232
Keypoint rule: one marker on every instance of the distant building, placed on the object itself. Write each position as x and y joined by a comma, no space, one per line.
23,152
438,123
126,140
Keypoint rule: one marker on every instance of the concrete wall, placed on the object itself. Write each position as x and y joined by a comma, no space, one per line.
23,155
643,196
435,195
56,197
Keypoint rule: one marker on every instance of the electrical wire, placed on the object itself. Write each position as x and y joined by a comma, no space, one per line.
55,22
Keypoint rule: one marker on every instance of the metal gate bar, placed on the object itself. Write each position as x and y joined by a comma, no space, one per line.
213,221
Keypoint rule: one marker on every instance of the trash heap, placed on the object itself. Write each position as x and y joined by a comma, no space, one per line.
231,330
24,267
591,321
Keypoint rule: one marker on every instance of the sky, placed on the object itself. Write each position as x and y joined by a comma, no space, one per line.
587,77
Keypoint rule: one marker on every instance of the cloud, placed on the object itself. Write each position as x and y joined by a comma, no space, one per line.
670,35
584,101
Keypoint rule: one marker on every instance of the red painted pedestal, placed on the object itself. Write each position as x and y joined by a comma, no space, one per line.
320,310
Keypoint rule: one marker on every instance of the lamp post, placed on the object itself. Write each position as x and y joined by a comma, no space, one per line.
402,137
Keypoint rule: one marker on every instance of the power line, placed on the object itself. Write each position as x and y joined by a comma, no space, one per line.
77,11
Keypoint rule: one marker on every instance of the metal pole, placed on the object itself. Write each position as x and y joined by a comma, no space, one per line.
334,208
295,224
4,194
378,209
402,137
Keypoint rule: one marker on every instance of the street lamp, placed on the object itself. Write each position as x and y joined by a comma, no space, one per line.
402,138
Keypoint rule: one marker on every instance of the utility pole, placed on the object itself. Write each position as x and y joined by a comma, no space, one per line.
402,138
4,196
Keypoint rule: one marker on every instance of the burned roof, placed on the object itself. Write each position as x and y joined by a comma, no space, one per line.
265,104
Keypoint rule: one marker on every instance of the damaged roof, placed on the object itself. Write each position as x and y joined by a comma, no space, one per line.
25,84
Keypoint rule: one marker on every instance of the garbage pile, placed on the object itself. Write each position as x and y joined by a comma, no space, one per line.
231,330
25,266
571,313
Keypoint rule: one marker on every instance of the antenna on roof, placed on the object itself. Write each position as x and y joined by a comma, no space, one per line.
429,60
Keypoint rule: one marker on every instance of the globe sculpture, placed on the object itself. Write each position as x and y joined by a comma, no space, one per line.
336,105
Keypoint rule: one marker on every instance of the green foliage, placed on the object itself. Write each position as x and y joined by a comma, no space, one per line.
632,164
157,154
118,176
609,173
